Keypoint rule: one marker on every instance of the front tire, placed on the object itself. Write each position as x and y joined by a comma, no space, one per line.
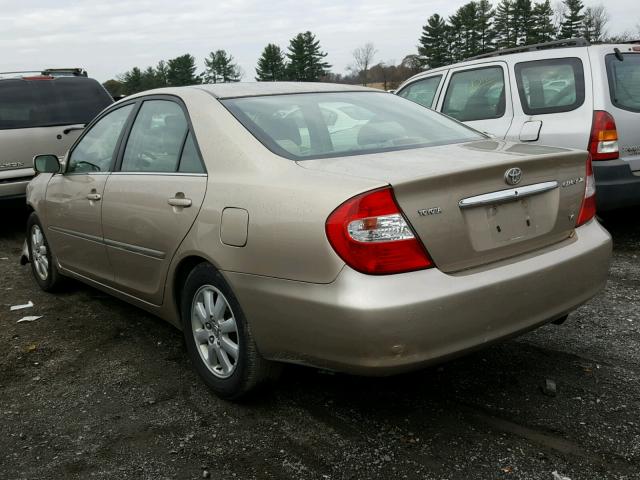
43,265
218,337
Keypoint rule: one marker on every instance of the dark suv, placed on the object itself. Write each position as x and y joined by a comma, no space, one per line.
42,112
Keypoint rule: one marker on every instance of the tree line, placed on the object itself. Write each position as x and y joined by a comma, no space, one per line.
477,27
480,27
302,62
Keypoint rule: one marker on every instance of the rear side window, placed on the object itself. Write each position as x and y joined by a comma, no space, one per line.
44,103
550,86
624,81
476,94
156,139
422,91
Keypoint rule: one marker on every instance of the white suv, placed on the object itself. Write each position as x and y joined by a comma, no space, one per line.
566,93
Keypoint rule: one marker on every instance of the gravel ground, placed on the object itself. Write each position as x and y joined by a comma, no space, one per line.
99,389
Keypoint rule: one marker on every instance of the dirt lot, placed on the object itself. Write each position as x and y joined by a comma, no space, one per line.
99,389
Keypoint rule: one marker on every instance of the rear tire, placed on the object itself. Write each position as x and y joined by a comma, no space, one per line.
43,265
218,337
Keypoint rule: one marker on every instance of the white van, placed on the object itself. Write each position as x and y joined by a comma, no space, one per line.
565,93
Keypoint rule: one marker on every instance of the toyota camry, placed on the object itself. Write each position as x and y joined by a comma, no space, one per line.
333,226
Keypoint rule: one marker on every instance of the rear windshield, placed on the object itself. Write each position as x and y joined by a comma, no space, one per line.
624,81
323,125
43,103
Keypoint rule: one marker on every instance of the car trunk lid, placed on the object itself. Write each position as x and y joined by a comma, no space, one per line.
459,203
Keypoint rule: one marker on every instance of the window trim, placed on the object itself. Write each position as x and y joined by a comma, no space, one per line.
121,148
90,126
452,73
578,70
612,94
436,93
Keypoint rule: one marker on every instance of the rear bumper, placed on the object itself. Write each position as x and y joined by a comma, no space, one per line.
379,325
13,183
616,185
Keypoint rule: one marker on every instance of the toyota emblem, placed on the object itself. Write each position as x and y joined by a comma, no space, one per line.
513,176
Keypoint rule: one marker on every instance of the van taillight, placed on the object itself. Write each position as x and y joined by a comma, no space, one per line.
370,233
603,142
588,208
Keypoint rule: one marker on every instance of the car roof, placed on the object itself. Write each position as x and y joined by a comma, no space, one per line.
251,89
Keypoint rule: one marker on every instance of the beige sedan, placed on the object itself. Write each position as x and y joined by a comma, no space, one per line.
325,225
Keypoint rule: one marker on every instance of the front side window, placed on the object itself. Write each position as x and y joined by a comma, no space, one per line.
95,151
476,94
550,86
422,91
322,125
624,81
49,102
156,139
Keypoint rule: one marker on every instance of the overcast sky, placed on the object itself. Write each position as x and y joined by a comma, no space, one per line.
109,37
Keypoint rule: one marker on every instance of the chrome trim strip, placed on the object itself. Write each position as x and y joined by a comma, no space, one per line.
148,252
73,233
164,174
502,196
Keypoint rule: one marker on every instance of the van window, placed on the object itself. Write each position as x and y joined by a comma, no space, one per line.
422,91
624,81
45,103
550,86
476,94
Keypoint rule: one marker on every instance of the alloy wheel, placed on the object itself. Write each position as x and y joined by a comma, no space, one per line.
215,331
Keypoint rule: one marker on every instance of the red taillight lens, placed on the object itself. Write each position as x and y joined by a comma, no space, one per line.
603,142
588,208
372,236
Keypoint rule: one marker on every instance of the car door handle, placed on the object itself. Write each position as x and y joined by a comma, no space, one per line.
94,196
180,202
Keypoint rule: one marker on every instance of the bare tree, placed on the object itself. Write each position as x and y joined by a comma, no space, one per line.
595,23
362,59
559,9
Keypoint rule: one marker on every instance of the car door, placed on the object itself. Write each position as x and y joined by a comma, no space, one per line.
478,95
552,104
424,90
152,199
74,198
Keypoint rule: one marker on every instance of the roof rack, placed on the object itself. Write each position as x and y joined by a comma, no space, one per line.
53,72
568,42
65,72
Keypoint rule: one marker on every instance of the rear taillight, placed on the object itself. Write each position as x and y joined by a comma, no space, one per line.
603,142
588,208
372,236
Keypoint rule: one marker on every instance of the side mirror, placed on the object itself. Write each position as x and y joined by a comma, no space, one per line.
46,164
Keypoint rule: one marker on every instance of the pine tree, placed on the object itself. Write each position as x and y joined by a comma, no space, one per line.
220,68
523,22
182,71
132,81
573,19
306,59
434,44
484,26
542,20
271,65
505,28
162,72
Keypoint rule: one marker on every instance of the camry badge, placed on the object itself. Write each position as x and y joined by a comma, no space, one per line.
513,176
12,165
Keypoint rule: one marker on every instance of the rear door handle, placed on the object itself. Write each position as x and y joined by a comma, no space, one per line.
94,196
180,202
